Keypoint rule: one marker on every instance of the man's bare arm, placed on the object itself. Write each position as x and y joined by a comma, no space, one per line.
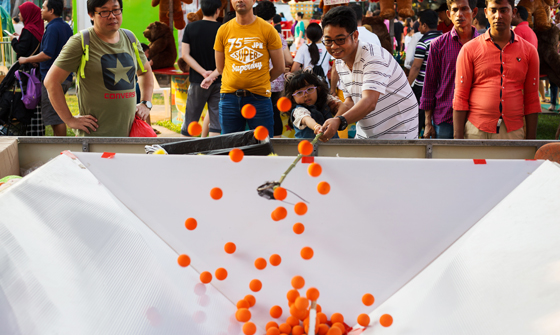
459,120
278,64
146,83
531,121
415,70
41,57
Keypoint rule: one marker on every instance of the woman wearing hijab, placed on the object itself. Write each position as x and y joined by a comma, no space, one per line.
28,43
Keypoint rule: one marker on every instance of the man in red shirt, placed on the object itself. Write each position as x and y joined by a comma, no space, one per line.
522,28
497,80
445,24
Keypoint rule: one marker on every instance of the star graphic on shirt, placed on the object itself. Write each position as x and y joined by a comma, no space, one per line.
120,72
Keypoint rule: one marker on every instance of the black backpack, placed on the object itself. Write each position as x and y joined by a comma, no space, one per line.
318,68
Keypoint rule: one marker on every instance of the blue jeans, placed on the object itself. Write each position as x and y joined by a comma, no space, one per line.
231,119
444,130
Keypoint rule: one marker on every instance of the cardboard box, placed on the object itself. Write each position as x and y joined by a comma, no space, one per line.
9,158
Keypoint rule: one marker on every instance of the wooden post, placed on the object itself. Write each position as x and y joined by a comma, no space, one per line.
171,14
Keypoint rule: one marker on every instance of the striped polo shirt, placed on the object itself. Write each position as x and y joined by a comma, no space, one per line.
422,52
396,114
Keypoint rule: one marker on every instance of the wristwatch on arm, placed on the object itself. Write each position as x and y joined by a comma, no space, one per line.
343,123
147,103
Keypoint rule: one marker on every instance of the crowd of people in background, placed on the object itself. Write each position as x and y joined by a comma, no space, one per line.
467,73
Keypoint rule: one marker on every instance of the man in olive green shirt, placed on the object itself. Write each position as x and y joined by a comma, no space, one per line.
107,93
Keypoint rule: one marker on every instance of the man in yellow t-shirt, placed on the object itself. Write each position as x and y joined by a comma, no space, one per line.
243,48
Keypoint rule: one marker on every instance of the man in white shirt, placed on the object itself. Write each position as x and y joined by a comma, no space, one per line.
376,91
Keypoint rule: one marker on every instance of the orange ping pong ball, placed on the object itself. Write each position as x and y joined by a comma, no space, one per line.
242,304
271,324
298,282
250,299
314,170
312,294
273,331
300,208
302,303
334,331
363,320
276,311
260,133
368,299
205,277
184,260
221,273
243,315
337,317
190,224
386,320
281,213
323,188
194,128
248,111
305,148
339,325
236,155
260,263
249,328
230,247
275,260
306,253
284,104
323,329
292,321
255,285
298,228
298,330
280,193
216,193
292,295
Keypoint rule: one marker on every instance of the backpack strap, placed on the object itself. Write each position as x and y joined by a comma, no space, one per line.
85,56
132,39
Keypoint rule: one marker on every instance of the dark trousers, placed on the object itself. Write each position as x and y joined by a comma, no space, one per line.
421,116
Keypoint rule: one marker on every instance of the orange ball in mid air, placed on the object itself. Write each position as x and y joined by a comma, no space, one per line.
301,303
323,188
298,282
312,294
276,311
190,224
363,320
221,274
368,299
281,213
194,128
230,247
292,321
337,317
275,260
280,193
314,170
205,277
260,263
255,285
248,111
306,253
249,328
242,304
216,193
305,148
386,320
292,295
243,315
184,260
300,208
284,104
260,133
298,228
250,299
236,155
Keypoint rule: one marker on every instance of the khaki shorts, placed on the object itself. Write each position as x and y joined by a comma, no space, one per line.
472,132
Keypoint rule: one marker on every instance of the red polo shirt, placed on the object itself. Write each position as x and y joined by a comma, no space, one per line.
524,31
490,82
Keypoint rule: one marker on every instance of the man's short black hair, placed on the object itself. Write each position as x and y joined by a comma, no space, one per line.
443,7
510,2
357,10
16,19
299,14
429,17
277,19
343,17
57,6
523,13
209,7
481,18
265,10
91,4
472,3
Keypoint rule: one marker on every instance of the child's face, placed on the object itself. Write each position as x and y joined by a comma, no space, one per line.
306,95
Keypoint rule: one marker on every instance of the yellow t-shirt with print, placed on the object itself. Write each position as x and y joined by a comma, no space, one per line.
246,55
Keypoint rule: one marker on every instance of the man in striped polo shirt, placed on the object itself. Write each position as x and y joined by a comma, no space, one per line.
428,27
376,91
